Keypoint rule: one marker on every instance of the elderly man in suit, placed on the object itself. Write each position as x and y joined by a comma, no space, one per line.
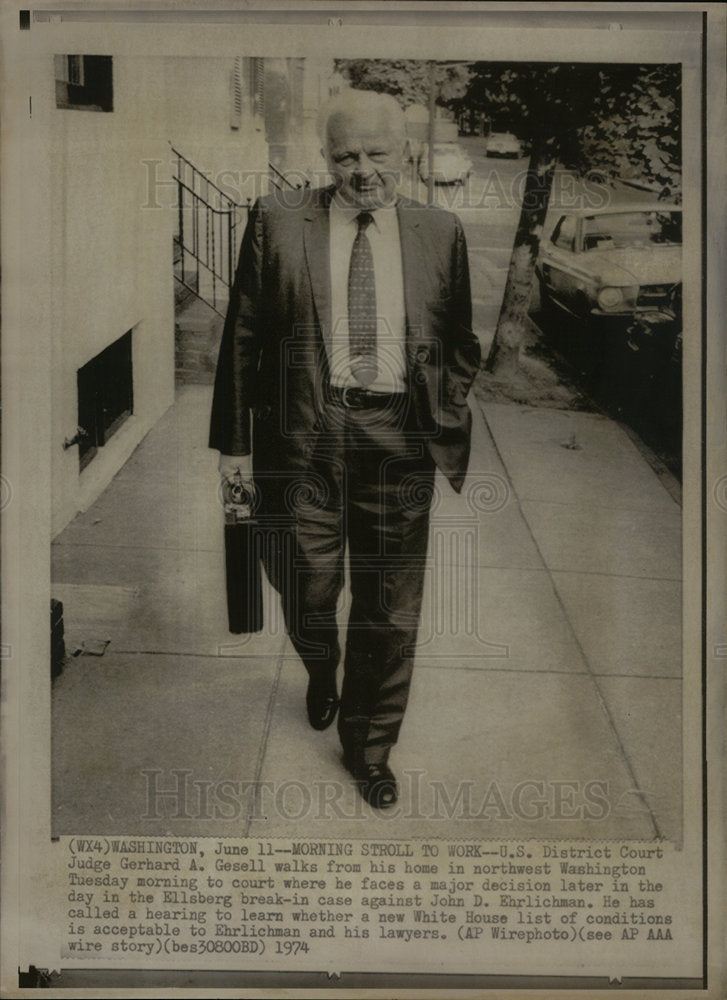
346,359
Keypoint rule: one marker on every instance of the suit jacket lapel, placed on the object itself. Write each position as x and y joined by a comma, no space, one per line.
413,259
317,253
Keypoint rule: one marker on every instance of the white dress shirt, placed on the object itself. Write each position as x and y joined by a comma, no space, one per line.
383,234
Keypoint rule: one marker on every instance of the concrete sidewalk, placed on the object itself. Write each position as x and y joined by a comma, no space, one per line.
546,699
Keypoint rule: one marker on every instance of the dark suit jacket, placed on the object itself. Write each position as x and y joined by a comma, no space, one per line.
273,356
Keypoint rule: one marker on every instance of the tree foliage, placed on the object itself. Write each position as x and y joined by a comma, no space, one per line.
638,133
406,79
624,119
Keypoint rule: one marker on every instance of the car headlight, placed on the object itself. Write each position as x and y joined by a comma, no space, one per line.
610,298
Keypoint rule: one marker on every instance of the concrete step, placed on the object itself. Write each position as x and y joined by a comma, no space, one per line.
196,316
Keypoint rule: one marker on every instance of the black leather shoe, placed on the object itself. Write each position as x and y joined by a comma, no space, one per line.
321,700
376,782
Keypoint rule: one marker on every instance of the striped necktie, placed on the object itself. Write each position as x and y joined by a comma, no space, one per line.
362,305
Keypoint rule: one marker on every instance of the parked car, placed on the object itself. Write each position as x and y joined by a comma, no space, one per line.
451,164
503,144
612,262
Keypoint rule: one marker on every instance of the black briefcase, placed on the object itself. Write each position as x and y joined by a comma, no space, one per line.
243,545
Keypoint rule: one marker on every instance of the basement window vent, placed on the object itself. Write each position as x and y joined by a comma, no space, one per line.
105,396
84,83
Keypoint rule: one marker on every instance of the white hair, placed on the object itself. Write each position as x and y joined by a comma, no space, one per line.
356,103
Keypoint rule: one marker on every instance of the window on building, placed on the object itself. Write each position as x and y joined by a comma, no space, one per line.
84,83
105,396
257,86
247,90
236,94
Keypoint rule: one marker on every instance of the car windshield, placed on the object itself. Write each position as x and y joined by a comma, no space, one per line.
631,229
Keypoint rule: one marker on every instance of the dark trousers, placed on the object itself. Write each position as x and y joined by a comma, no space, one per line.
369,491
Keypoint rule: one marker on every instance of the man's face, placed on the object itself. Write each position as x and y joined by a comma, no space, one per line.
365,158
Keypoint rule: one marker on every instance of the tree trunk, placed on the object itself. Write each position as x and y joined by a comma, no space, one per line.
511,324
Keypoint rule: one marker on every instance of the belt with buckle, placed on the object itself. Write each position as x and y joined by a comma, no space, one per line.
354,397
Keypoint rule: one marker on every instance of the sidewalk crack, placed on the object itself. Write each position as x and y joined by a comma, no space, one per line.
267,726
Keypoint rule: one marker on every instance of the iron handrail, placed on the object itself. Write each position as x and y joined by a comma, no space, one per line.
208,233
198,196
284,179
207,181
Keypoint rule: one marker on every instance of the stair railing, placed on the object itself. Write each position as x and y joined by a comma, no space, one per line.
280,181
207,233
